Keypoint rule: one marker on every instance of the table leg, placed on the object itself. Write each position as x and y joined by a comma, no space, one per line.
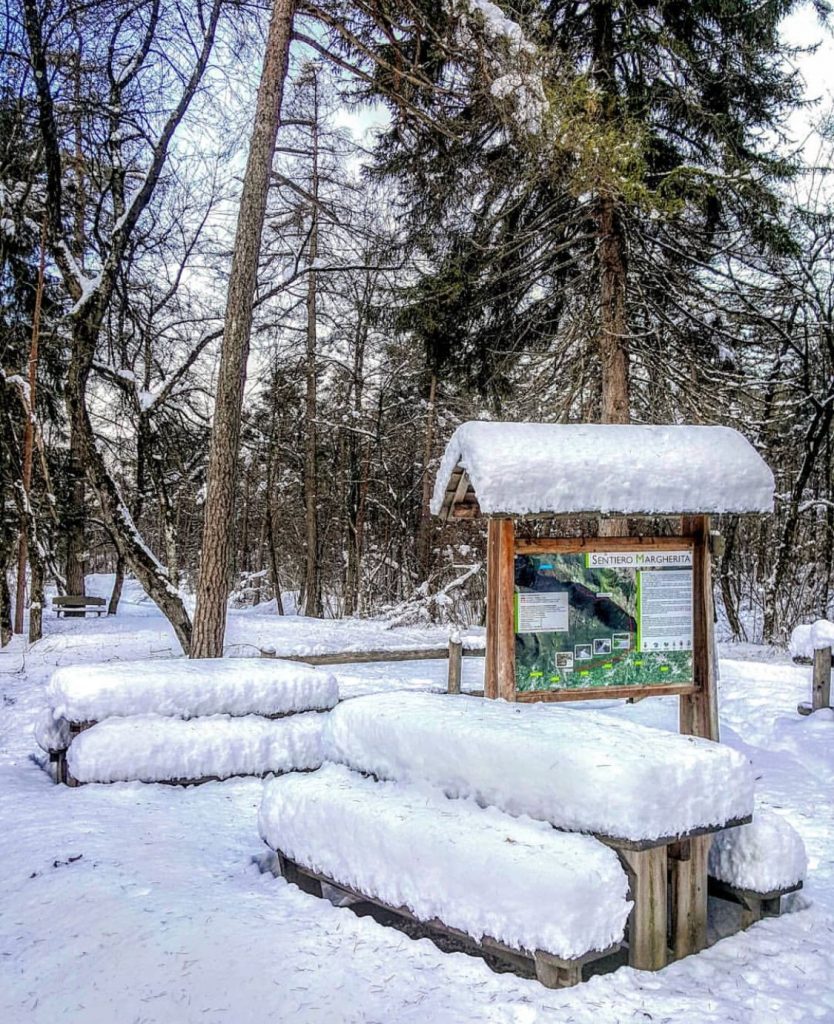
647,949
688,870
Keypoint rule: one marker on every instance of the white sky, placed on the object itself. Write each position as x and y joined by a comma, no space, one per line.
804,29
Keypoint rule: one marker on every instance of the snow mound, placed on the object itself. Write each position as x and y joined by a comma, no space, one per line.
51,733
410,846
582,771
529,468
766,855
188,689
807,638
153,748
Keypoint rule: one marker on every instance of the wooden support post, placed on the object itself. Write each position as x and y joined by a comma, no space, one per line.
499,672
821,685
751,912
506,610
455,664
699,710
293,874
688,873
491,663
555,973
647,949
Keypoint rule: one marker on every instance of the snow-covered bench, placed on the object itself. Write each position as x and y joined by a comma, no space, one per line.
654,796
514,887
755,865
181,720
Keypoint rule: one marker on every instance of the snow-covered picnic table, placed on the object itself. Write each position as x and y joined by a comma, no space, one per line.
655,797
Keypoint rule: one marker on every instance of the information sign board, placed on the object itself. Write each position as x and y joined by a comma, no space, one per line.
600,619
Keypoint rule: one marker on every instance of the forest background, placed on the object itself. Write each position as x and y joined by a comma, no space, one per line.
567,212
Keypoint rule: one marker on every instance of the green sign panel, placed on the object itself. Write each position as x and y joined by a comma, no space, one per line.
603,619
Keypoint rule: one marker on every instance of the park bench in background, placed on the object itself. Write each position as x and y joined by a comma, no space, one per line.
78,604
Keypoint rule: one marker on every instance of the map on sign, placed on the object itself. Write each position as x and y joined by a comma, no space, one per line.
603,619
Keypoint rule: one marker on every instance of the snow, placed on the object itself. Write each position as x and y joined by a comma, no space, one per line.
584,773
765,855
152,748
410,846
190,688
498,26
137,902
806,639
530,468
51,733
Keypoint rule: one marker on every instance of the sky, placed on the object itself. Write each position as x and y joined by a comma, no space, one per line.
803,29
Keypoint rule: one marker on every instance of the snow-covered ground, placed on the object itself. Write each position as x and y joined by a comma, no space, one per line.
141,903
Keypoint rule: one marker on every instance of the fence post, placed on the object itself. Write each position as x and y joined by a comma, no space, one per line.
455,663
821,686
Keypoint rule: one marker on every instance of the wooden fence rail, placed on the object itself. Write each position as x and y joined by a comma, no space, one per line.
455,652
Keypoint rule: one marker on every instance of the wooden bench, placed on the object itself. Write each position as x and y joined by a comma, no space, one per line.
78,604
754,905
552,971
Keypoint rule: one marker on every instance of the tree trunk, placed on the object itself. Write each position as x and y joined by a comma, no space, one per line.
218,518
29,444
36,597
815,436
118,583
312,575
424,531
612,338
129,544
5,609
357,479
726,581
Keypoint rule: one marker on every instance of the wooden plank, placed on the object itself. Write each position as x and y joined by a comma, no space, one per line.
361,657
493,584
505,612
699,710
618,843
647,950
575,545
734,894
688,891
821,680
604,693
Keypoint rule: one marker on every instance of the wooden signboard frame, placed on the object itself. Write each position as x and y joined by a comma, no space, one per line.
698,706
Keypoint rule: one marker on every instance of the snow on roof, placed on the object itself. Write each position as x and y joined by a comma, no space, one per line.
553,468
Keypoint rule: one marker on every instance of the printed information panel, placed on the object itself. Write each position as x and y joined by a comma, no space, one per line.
603,619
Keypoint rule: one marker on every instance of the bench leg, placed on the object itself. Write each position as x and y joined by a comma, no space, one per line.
751,912
556,973
296,876
688,869
647,949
